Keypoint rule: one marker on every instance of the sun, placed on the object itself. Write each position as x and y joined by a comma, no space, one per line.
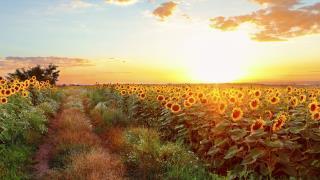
216,72
218,59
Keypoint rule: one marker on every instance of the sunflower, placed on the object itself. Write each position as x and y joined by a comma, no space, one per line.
257,124
175,108
123,92
268,114
191,100
257,93
302,98
169,105
160,98
279,122
313,107
25,93
3,100
294,102
2,82
316,116
254,104
289,89
236,114
7,92
222,108
274,100
203,101
232,100
142,96
163,103
186,104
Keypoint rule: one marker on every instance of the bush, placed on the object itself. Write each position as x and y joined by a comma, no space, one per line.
49,108
105,117
147,157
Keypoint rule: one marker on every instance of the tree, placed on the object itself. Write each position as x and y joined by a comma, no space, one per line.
50,73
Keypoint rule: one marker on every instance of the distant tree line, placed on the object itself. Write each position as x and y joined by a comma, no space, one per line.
50,73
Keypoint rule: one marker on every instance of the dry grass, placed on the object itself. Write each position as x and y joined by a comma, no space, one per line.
114,138
74,128
91,161
95,165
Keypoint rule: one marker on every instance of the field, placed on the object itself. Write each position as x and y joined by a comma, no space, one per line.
123,131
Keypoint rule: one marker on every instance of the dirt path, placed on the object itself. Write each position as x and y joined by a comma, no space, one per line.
42,156
98,163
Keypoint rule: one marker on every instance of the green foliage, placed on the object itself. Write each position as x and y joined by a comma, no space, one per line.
147,157
21,126
49,108
109,117
13,160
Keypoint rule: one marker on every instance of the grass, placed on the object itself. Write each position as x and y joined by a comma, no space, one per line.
147,157
78,152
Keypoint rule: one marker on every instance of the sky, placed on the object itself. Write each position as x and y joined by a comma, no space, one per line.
163,41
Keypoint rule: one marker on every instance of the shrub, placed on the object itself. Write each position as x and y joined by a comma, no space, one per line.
49,108
147,157
105,117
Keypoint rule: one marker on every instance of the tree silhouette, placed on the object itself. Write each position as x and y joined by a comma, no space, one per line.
50,73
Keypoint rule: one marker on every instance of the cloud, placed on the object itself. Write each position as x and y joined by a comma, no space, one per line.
122,2
78,4
112,59
165,10
277,20
118,72
10,63
70,6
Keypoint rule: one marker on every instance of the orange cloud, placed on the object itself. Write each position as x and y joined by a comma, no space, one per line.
165,10
122,2
11,63
278,21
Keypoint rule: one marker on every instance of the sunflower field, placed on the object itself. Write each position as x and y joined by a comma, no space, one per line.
25,108
237,130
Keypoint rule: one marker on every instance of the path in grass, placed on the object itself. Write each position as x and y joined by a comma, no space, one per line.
71,150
